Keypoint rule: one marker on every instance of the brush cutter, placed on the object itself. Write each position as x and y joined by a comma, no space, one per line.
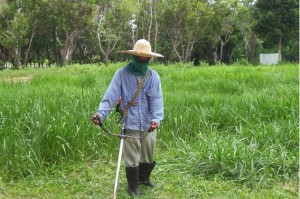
122,136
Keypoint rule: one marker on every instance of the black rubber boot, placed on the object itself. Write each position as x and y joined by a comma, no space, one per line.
145,172
132,174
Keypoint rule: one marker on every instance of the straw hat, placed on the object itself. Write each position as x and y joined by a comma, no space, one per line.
142,48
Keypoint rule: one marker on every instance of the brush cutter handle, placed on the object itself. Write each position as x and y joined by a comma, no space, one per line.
122,135
118,169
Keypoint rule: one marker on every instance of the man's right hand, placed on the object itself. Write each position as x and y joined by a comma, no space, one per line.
96,119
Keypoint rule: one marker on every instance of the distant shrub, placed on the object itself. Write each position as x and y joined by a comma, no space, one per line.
242,62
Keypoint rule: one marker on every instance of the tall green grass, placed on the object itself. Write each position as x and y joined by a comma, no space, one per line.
46,121
237,123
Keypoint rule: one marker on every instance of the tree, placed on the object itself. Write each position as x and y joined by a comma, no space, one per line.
181,22
17,25
76,17
112,20
32,9
219,27
276,22
243,12
62,32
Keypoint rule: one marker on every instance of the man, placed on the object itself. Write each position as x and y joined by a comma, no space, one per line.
142,108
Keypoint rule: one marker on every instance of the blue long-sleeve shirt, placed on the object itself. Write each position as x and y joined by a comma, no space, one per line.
149,101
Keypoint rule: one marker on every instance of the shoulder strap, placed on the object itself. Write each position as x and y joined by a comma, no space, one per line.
136,94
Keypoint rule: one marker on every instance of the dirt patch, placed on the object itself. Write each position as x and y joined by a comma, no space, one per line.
292,188
19,79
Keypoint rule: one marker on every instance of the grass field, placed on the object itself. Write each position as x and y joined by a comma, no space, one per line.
228,132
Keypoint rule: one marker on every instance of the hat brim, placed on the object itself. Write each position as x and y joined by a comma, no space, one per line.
132,52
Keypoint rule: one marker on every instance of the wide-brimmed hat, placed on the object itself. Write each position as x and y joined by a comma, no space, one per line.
142,48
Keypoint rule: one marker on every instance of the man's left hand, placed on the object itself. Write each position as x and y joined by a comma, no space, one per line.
153,126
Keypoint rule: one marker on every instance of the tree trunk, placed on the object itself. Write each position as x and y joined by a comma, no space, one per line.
29,48
175,44
151,19
211,54
56,51
250,42
48,56
222,43
16,52
111,44
133,34
38,59
279,49
3,58
69,47
156,26
189,47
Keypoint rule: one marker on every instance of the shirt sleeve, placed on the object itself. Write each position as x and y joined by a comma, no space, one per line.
156,101
110,97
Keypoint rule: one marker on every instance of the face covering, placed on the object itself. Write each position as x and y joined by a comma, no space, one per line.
136,68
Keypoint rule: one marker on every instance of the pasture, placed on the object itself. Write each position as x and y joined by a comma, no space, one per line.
228,132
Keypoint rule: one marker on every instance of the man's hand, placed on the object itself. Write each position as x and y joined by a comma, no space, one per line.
96,119
153,126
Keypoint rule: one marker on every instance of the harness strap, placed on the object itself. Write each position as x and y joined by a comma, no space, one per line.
136,94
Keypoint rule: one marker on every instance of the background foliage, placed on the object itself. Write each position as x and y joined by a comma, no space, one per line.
43,33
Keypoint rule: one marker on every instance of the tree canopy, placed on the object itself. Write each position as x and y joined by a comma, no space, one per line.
47,32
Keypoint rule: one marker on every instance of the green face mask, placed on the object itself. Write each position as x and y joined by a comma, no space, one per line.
136,68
